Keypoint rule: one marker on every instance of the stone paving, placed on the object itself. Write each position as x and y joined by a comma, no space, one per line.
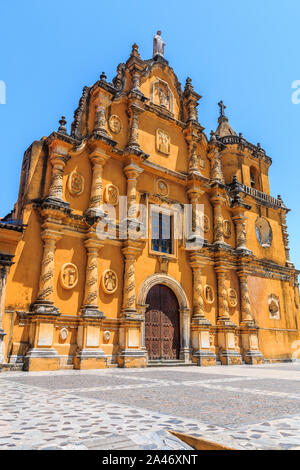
242,407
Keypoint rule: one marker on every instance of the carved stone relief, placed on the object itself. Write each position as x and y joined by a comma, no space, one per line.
68,276
209,295
274,307
162,187
115,124
111,194
205,223
106,336
161,95
109,281
63,334
75,183
232,297
162,142
227,228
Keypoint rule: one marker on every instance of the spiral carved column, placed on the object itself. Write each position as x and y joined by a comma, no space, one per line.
96,197
223,313
45,302
218,220
91,296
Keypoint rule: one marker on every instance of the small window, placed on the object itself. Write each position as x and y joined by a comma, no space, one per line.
162,228
252,179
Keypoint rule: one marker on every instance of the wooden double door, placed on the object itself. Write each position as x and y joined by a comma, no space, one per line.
162,329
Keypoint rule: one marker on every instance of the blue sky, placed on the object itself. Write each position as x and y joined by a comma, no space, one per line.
245,53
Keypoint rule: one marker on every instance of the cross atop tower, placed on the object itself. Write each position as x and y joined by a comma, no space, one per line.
222,108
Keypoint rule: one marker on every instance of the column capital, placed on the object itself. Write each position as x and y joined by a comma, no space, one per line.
132,171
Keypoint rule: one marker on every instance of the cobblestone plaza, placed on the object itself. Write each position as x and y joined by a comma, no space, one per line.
242,407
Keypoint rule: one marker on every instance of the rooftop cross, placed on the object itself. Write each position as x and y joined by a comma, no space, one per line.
222,108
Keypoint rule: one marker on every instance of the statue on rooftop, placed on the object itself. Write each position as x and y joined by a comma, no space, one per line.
158,45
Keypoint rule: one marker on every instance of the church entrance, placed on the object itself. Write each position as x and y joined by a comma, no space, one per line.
162,330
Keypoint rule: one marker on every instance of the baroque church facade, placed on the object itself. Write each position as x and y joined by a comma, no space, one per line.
87,282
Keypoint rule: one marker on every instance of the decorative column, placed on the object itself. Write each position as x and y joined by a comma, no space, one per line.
130,252
196,237
223,311
91,297
44,303
246,315
226,329
134,112
217,202
131,337
132,172
202,353
42,355
58,163
240,232
285,234
5,263
248,327
98,161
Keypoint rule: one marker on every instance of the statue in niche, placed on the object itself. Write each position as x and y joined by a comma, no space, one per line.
158,45
209,294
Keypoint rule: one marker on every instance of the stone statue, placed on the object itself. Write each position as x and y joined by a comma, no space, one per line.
158,45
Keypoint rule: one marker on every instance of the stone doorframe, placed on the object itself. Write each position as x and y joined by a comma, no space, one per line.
184,310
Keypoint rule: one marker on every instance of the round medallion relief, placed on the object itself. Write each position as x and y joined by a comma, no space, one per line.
68,276
115,124
162,187
111,194
109,281
106,335
63,334
263,232
209,295
232,297
75,183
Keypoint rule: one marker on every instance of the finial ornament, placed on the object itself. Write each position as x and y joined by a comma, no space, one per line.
188,85
62,125
103,77
222,108
158,45
135,50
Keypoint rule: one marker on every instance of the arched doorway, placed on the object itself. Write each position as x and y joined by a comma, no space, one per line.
162,323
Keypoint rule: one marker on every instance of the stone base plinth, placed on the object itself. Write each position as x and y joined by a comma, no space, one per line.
38,359
253,357
90,359
132,359
230,358
204,358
